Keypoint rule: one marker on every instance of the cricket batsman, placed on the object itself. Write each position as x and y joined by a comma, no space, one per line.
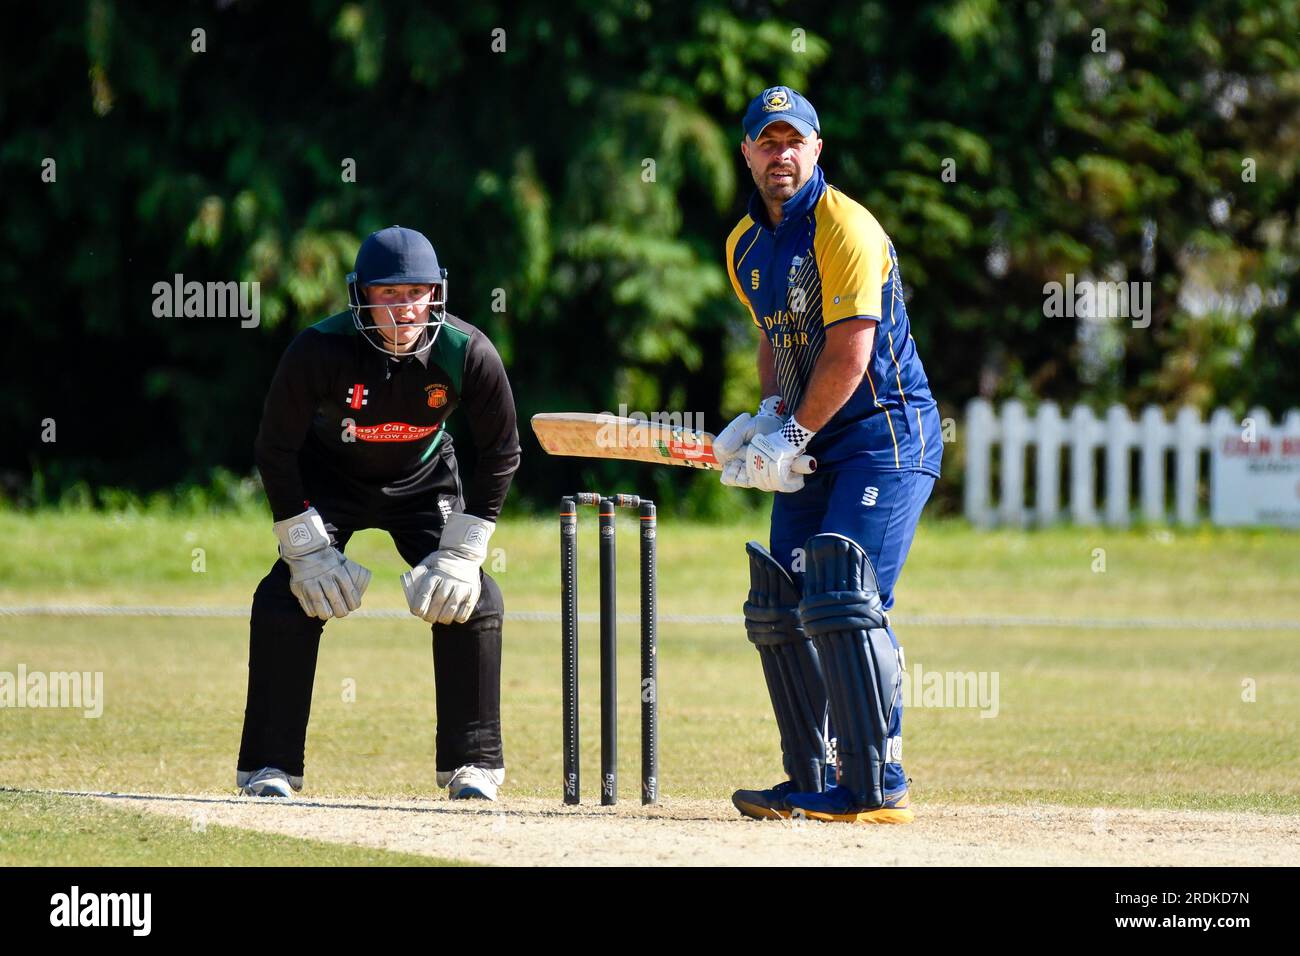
352,436
843,382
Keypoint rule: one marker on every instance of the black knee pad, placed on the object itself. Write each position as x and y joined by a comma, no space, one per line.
843,615
790,666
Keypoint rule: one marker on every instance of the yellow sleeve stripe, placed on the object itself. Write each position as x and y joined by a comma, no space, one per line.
888,421
898,377
732,264
898,372
921,431
747,248
919,426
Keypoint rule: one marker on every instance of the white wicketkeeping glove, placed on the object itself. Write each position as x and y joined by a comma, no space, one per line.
745,426
325,583
444,587
769,459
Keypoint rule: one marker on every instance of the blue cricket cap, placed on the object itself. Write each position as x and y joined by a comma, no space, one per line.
780,104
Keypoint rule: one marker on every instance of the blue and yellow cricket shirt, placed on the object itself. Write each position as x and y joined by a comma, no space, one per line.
829,261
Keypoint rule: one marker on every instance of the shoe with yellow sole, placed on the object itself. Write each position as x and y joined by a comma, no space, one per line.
839,805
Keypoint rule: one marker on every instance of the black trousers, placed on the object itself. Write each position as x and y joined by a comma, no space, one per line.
284,641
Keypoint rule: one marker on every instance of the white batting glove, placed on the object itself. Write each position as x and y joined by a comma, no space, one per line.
771,415
731,439
770,458
444,588
745,426
325,583
735,474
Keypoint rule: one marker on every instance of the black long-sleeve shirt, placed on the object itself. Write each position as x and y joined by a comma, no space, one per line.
338,401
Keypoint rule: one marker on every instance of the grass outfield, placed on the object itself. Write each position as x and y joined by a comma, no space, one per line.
49,830
1118,717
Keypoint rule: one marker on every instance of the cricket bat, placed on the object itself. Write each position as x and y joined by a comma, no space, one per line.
588,435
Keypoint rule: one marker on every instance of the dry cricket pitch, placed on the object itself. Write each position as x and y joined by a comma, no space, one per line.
538,832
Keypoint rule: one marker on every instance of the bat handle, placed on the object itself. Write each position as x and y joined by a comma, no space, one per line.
804,465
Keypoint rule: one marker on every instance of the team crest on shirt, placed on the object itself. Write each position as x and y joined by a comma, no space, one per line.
437,395
358,395
795,263
775,100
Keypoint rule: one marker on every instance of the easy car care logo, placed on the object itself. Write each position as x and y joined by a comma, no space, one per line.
394,431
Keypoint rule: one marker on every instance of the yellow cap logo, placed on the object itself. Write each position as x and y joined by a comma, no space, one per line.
775,100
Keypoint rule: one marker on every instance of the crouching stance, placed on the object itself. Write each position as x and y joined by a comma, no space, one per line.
352,437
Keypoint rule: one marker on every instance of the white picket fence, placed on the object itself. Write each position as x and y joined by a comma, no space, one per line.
1187,437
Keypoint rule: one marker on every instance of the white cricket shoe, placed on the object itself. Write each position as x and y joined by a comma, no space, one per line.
267,782
472,783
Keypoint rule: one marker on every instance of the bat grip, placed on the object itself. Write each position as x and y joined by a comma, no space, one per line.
804,465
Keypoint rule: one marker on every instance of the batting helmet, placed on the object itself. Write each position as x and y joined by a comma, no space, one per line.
397,256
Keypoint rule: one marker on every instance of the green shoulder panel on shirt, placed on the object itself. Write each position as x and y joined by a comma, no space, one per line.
340,323
449,352
433,446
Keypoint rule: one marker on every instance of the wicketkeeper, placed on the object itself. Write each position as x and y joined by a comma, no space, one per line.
842,381
352,437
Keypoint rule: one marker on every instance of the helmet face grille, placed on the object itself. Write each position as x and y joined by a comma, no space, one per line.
397,256
372,331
